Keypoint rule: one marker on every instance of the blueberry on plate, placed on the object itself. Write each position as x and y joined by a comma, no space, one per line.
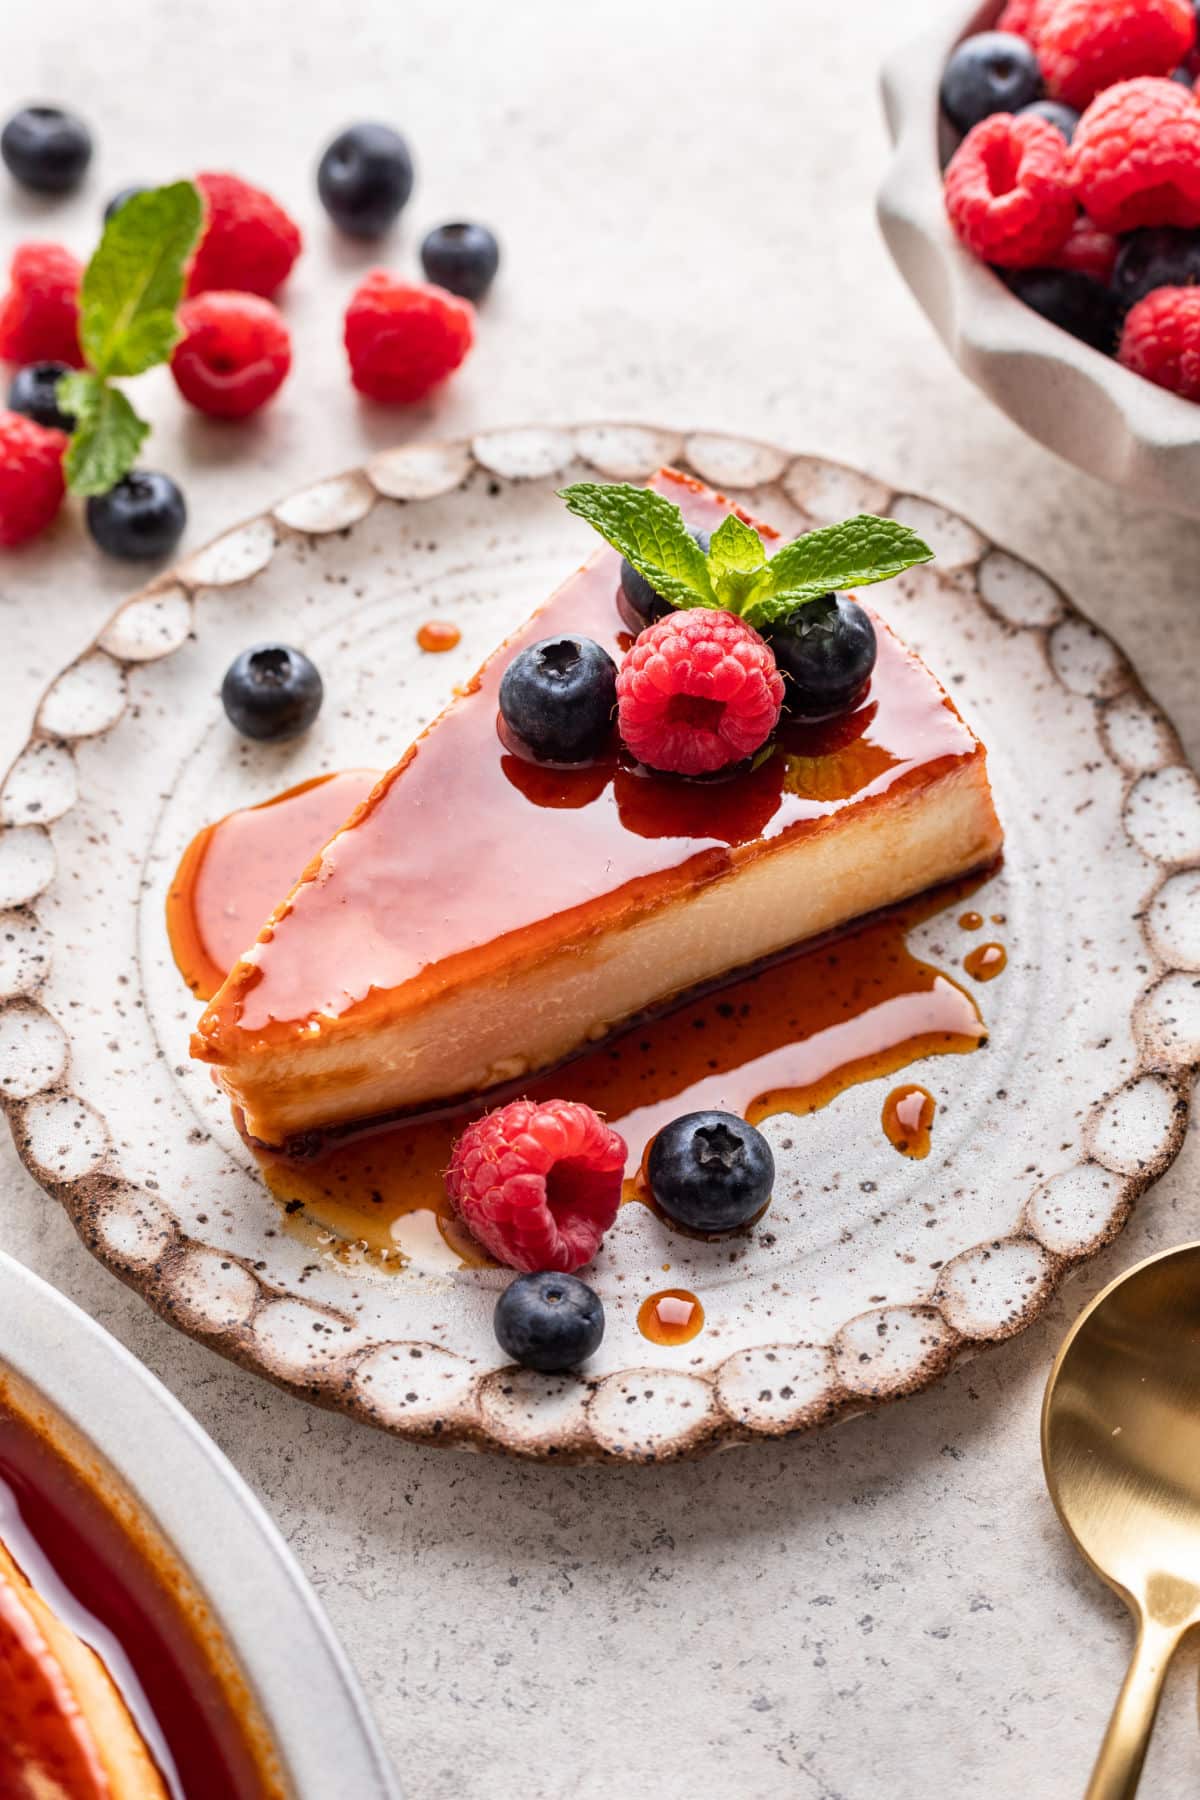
995,71
1157,256
711,1171
46,149
461,258
272,692
1057,113
549,1322
34,392
118,200
558,698
642,604
143,516
365,178
1074,301
826,651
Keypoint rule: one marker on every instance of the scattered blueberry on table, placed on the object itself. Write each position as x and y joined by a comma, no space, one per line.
46,149
462,258
365,179
141,518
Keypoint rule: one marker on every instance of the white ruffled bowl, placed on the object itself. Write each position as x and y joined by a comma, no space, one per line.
1080,404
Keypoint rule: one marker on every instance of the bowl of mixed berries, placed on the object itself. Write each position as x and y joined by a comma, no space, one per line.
1043,203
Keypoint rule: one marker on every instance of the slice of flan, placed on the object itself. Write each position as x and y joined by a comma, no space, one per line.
479,916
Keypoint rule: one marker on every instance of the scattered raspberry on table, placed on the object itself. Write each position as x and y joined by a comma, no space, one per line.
404,338
698,691
1161,340
1008,194
248,242
538,1183
234,354
39,315
31,477
1135,158
1085,46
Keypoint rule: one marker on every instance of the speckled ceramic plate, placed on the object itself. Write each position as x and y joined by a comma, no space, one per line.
877,1271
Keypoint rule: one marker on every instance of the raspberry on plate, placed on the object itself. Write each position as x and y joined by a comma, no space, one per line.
1161,340
1088,251
234,353
39,315
248,243
1135,158
403,339
538,1183
1085,46
699,690
1007,192
31,477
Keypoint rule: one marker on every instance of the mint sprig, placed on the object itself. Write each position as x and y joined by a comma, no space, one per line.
737,574
128,303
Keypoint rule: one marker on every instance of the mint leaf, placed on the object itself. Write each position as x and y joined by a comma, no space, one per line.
854,554
735,557
134,282
107,437
649,531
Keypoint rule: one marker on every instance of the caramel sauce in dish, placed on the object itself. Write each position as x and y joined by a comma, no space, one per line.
908,1115
787,1038
986,961
673,1317
435,637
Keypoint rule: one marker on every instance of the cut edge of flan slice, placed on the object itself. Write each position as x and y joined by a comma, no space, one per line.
475,921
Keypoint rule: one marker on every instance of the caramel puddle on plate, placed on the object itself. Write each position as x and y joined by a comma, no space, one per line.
908,1115
437,636
674,1316
789,1038
985,961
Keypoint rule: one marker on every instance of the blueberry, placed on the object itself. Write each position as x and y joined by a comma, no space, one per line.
46,149
558,698
1183,77
272,692
365,178
118,200
993,72
142,517
33,391
825,651
549,1322
461,258
711,1171
1074,301
1158,256
641,601
1057,113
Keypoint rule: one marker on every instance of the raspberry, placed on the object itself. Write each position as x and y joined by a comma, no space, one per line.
39,315
699,690
234,353
1025,18
1085,46
1007,191
538,1183
403,338
1161,340
1089,251
248,242
1135,159
31,477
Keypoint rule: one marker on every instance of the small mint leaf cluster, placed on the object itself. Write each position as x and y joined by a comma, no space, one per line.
128,303
737,575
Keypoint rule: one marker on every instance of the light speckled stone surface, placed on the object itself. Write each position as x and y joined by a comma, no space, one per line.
886,1609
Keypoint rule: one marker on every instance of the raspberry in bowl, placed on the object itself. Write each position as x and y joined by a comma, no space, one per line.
1046,178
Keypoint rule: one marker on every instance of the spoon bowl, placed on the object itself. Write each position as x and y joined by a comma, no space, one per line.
1121,1451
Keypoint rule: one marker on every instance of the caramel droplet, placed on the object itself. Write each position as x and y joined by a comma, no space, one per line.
672,1317
908,1114
971,921
437,635
985,961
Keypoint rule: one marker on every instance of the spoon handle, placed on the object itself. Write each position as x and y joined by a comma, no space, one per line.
1119,1765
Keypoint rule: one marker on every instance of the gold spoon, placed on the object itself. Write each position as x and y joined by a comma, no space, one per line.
1121,1450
